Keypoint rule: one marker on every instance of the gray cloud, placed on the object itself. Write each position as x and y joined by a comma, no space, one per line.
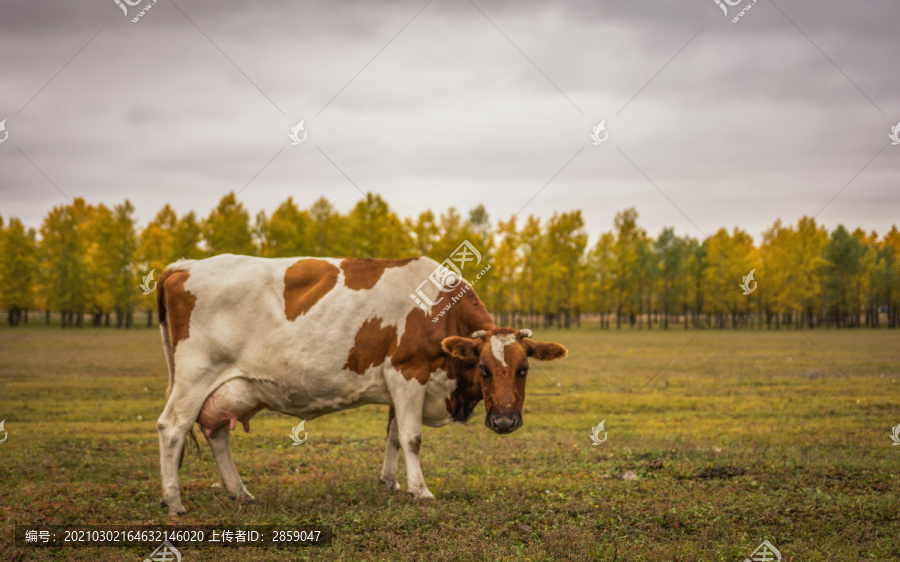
750,122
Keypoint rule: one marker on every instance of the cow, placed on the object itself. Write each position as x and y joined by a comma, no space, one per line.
311,336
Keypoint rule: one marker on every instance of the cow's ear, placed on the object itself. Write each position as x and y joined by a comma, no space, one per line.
545,351
465,349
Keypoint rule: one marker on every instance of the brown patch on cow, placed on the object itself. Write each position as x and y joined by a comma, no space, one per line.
305,283
364,273
175,304
415,445
395,442
373,343
419,352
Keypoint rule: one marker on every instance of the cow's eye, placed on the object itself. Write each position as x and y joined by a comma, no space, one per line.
522,372
484,371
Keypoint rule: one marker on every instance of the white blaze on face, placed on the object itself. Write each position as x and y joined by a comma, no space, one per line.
498,343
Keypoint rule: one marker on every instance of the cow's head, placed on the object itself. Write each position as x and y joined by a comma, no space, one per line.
498,360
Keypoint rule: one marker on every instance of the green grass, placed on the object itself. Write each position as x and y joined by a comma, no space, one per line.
821,478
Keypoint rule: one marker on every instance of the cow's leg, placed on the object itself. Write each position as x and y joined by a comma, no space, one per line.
391,455
409,402
235,400
173,425
221,451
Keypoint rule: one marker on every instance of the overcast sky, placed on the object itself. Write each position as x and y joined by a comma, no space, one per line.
453,103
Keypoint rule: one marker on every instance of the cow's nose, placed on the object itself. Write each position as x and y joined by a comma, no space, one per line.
504,424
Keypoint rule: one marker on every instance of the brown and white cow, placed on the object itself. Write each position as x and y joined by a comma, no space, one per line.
311,336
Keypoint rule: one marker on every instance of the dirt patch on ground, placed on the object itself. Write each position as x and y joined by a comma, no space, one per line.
721,472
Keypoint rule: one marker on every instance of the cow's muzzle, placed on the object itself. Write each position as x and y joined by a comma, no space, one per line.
504,423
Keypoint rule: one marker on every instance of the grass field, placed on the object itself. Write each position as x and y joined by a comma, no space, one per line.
813,469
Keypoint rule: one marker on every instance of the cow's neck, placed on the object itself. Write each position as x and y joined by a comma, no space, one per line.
467,315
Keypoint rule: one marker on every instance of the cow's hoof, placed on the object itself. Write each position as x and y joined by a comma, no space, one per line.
174,509
423,496
246,497
390,486
177,509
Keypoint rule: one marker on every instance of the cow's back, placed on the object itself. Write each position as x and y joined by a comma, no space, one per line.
292,323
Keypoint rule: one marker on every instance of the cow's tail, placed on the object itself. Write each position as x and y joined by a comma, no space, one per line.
162,312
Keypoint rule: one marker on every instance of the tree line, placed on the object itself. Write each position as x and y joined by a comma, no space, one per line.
86,263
